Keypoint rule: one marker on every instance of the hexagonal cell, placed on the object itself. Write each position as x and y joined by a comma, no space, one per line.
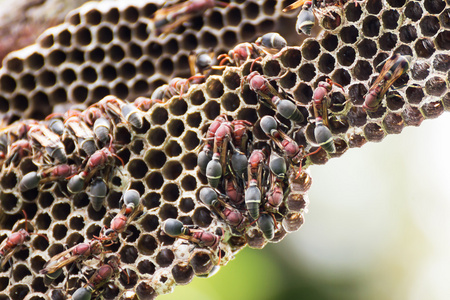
373,132
393,123
420,70
436,86
291,58
432,110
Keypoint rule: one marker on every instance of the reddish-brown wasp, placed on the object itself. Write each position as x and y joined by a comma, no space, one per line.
393,68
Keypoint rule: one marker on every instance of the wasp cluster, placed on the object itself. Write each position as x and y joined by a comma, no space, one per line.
156,147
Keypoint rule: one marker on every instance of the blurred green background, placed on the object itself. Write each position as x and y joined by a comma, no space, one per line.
378,227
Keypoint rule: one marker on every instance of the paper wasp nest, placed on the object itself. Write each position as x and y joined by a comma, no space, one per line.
111,48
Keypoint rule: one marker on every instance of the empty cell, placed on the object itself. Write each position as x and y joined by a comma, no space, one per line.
396,3
186,205
201,263
230,101
137,168
189,183
145,291
342,77
329,42
310,49
4,105
19,291
233,17
353,12
60,211
9,202
109,72
68,76
79,93
212,109
80,200
165,67
76,56
432,110
441,62
159,116
271,68
374,6
131,14
424,48
64,38
349,35
362,70
408,34
96,55
8,180
229,39
420,70
164,257
116,53
208,40
128,254
436,86
414,94
412,116
141,31
189,161
326,63
14,64
429,25
104,35
83,36
156,136
56,57
388,41
434,6
175,127
35,61
27,82
194,119
89,74
202,217
171,170
127,70
214,88
189,42
124,34
307,72
155,158
146,68
247,32
303,93
191,140
444,17
373,132
168,211
43,221
346,56
112,16
59,231
7,83
93,17
371,26
120,90
442,40
147,246
182,274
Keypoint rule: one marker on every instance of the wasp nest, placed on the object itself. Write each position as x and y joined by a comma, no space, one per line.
213,163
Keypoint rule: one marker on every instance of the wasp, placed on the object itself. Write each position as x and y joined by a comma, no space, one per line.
49,141
176,228
393,68
320,105
169,18
100,277
230,214
14,243
53,268
120,222
306,17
